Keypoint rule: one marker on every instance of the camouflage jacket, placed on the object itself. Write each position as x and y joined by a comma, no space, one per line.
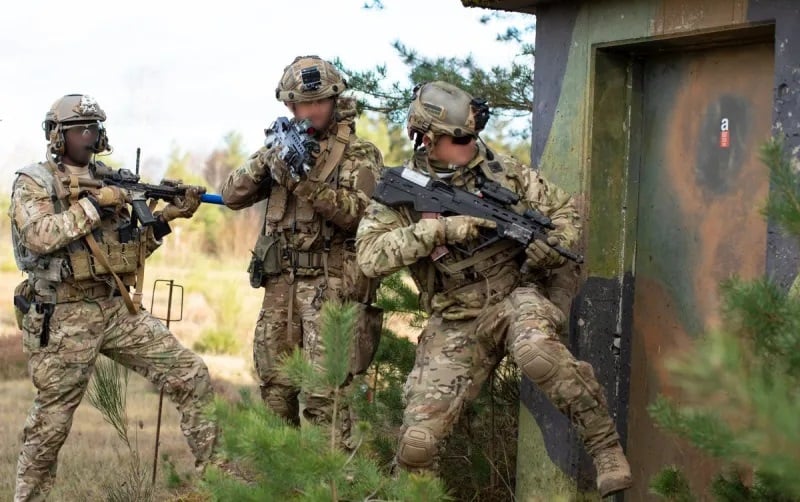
457,284
48,232
313,211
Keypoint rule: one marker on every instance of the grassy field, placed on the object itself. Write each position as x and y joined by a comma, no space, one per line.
93,456
216,296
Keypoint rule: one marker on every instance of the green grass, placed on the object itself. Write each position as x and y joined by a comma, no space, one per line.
217,341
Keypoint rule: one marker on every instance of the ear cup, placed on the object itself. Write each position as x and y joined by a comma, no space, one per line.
481,112
47,126
56,139
102,142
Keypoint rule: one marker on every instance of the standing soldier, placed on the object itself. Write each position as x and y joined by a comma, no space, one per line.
482,305
306,251
76,304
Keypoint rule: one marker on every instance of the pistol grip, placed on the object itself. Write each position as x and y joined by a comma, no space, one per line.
439,251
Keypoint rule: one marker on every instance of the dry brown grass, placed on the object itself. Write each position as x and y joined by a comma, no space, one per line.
13,362
93,456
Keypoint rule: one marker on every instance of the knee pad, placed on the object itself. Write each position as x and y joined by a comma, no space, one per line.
534,360
417,447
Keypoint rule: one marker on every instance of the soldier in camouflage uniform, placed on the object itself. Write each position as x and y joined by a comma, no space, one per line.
307,241
80,268
485,305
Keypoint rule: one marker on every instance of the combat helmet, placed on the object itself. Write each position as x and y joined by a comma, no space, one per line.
309,78
71,110
440,108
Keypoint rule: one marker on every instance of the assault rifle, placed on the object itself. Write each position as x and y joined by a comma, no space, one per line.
403,186
297,144
140,192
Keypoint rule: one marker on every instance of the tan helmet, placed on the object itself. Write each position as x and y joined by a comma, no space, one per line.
309,78
439,108
73,109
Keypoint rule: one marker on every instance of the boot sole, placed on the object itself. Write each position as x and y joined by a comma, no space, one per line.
617,487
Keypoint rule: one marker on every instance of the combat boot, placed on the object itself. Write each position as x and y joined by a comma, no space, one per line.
613,471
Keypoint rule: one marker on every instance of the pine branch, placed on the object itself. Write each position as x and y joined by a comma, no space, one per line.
672,485
783,205
108,392
337,327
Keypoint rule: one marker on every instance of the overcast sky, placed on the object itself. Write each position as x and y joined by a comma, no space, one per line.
185,73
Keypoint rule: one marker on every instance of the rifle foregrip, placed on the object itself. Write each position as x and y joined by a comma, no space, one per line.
566,253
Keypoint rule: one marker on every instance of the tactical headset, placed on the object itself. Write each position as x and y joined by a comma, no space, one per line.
54,134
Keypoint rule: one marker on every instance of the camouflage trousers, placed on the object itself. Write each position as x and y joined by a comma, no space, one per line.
455,357
273,340
79,331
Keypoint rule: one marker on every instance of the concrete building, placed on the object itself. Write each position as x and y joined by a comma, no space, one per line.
652,113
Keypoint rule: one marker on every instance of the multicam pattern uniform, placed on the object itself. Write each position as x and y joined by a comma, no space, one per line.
481,312
87,321
302,218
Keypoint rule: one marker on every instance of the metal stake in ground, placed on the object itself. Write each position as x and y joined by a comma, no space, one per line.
171,284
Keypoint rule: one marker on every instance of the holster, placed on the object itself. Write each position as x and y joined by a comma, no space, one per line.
47,310
23,298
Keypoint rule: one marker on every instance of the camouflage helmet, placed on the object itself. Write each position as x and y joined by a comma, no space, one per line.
73,109
309,78
439,108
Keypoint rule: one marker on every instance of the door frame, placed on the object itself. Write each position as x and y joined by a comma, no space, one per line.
615,138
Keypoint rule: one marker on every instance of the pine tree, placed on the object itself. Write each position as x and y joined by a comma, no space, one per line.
280,462
742,381
108,393
508,88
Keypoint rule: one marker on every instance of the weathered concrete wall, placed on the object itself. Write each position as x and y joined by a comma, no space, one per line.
589,111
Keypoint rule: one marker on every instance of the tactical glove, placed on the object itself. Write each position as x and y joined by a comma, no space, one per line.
183,207
109,196
459,229
260,163
281,173
542,255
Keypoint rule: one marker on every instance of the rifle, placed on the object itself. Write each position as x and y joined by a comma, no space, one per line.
140,192
297,144
403,186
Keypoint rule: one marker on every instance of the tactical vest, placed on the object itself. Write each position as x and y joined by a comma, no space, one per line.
75,271
460,285
306,239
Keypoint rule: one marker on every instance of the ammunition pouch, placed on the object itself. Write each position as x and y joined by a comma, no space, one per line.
312,263
469,300
266,259
311,260
52,269
122,258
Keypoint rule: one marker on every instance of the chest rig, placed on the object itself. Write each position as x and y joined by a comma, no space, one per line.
302,242
107,261
461,283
